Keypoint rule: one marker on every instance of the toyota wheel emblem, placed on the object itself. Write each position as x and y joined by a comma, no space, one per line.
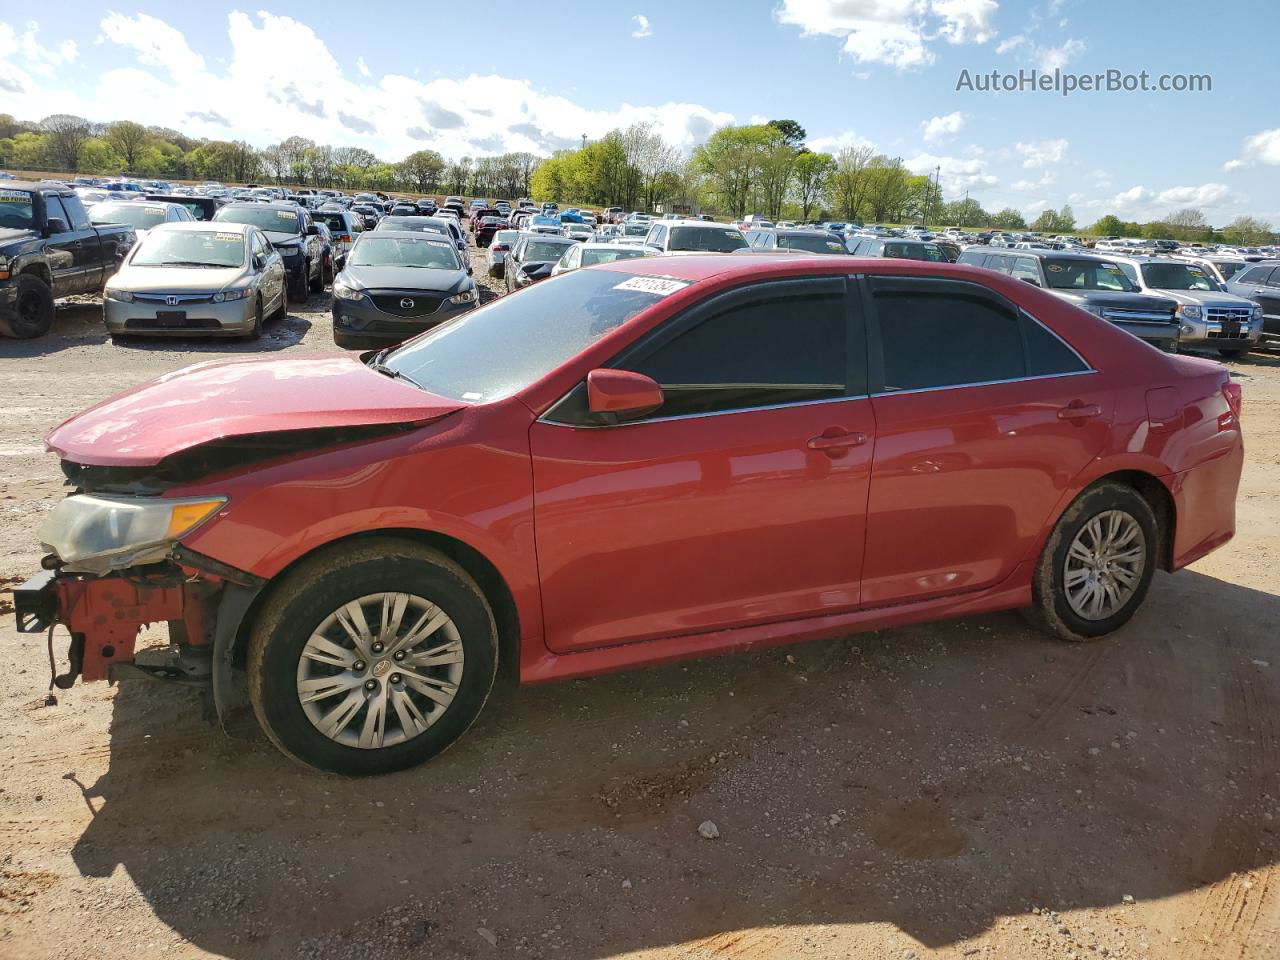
406,304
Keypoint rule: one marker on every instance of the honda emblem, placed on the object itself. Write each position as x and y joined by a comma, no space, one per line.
171,301
406,304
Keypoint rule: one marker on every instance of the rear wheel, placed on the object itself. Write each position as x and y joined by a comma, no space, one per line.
372,658
283,310
32,309
1097,566
315,284
1234,352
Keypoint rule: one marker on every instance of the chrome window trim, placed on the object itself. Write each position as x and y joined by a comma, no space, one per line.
985,383
696,416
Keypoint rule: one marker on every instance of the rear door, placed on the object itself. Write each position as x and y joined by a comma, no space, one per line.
741,500
983,418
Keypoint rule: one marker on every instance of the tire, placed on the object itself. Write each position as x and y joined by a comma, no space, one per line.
256,332
1052,607
283,310
314,284
307,601
1234,353
33,311
326,274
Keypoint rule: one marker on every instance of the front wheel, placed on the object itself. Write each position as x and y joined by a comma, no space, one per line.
1234,353
33,309
372,658
1097,566
315,284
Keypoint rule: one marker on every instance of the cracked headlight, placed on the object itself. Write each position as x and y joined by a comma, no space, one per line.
92,534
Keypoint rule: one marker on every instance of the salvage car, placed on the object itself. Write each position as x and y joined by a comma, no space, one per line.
140,215
499,247
630,464
686,237
1207,315
1260,282
589,254
1095,284
49,249
290,230
396,285
532,259
221,279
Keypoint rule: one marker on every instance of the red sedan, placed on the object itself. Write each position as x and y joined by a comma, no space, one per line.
628,464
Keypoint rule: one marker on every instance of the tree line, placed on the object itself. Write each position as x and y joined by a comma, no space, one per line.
762,168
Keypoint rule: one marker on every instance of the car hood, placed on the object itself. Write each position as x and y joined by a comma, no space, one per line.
1205,298
404,278
10,234
279,236
142,279
1118,300
230,398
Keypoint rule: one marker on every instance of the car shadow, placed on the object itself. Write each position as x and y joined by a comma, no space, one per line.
938,778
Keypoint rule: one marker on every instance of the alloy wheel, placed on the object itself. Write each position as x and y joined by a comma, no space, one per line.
1104,565
380,670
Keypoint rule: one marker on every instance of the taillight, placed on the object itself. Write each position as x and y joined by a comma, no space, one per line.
1235,397
499,247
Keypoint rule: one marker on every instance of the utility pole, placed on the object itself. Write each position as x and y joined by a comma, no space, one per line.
584,141
938,188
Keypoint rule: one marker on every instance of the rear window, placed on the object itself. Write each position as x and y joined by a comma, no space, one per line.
710,239
914,251
816,243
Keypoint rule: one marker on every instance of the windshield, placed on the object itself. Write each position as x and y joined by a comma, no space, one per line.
815,243
914,251
592,257
1176,276
635,230
1086,275
17,210
374,251
711,239
334,221
514,341
189,248
543,250
140,216
264,218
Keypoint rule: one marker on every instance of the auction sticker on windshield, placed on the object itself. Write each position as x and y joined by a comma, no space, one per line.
14,196
660,286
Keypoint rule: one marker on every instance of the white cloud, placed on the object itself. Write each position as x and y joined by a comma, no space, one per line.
1010,43
1046,179
1261,148
1205,195
955,174
34,56
895,32
170,84
156,43
1042,153
836,143
642,28
966,21
1049,59
939,128
363,67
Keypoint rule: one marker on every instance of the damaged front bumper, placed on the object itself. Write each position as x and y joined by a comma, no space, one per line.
202,601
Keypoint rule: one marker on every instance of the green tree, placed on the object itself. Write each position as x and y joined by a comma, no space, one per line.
1247,231
67,135
423,168
792,133
813,173
1108,226
127,139
1009,219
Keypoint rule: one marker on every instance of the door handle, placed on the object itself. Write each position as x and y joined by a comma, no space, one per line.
75,243
1079,411
836,438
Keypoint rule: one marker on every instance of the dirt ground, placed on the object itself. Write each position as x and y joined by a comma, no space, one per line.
967,788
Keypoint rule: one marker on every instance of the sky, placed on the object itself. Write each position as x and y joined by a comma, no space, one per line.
402,77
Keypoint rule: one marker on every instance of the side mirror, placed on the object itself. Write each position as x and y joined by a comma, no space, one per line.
1031,280
259,261
313,231
55,225
622,393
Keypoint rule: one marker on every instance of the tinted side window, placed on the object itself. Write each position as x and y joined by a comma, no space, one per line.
935,340
1254,275
771,350
53,210
75,209
1046,354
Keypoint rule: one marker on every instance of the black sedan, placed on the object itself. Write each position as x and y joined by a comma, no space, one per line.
396,284
532,258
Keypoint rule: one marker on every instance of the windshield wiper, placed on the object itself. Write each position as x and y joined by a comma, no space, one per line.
380,367
186,263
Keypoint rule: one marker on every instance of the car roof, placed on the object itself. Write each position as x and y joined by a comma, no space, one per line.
270,205
210,226
409,235
1044,254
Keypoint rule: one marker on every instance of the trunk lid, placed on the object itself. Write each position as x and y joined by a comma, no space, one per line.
233,398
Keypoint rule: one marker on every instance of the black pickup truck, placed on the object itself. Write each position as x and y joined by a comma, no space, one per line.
48,249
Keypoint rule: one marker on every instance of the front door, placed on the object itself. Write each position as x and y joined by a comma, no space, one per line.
74,254
742,500
984,417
